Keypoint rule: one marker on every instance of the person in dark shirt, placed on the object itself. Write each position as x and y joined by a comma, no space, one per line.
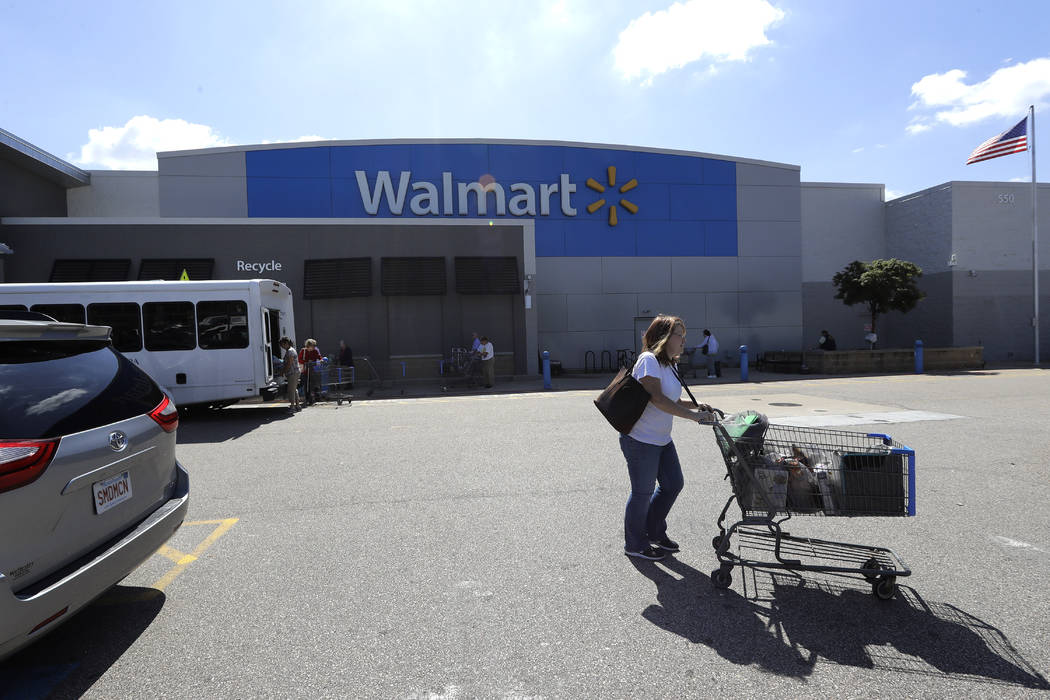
346,359
827,341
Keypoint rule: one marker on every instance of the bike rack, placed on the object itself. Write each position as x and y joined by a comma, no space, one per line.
606,355
593,362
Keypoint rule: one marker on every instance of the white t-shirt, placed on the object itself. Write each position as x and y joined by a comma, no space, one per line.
654,427
486,351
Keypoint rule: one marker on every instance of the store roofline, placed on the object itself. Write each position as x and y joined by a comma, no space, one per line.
497,142
39,161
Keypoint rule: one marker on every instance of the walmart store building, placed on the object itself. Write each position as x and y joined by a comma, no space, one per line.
402,248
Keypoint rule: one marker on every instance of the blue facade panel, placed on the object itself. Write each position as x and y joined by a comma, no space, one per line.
348,159
656,167
289,197
550,241
719,172
721,239
686,206
597,239
510,164
466,162
289,162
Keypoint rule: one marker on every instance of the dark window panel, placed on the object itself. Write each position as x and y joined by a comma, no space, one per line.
476,275
414,277
102,270
337,278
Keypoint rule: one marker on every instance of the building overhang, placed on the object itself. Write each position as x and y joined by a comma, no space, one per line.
38,161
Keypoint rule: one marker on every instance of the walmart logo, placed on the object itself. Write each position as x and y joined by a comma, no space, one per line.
600,188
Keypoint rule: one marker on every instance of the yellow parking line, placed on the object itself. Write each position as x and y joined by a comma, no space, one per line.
187,559
171,553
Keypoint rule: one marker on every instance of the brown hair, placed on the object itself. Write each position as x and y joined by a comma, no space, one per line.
655,338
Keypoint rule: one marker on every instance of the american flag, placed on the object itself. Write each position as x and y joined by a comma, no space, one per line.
1013,140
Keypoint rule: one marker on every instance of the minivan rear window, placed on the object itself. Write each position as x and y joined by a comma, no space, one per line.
54,388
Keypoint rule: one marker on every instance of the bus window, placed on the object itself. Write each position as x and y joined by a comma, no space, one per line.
12,307
124,319
169,325
222,325
66,313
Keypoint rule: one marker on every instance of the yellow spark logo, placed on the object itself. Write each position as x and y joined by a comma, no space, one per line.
600,188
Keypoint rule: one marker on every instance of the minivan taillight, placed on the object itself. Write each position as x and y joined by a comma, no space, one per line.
166,414
23,461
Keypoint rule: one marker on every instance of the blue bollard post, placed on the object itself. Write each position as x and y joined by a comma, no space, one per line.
743,363
918,357
402,370
546,369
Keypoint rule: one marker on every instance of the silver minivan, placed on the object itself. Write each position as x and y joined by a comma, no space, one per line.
89,483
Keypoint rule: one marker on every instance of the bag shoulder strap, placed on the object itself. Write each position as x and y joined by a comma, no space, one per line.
685,386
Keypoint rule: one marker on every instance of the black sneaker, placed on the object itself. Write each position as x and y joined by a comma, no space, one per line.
667,545
650,553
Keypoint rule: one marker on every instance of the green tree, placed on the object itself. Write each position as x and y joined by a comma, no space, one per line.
884,285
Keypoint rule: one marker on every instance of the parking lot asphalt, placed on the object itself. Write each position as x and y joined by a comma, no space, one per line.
469,544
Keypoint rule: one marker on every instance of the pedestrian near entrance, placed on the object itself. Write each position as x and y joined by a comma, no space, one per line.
290,368
709,348
826,341
488,362
310,359
652,461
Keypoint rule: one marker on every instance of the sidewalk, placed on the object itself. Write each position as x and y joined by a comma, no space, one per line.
520,384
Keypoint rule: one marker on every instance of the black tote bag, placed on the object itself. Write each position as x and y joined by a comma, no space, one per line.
623,401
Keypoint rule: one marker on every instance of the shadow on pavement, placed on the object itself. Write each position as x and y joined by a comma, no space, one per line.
68,661
789,623
205,425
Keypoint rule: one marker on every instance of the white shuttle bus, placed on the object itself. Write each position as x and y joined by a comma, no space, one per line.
209,342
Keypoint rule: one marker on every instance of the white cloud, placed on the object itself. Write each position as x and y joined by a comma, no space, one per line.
1020,179
858,149
134,146
690,31
1005,93
892,194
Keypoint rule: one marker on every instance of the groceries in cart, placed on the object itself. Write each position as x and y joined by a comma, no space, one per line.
779,471
776,473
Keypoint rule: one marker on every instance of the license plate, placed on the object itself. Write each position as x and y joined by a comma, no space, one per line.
113,491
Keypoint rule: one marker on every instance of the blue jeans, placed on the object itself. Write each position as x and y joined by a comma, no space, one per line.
645,519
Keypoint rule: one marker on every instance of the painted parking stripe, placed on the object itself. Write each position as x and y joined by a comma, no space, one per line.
186,559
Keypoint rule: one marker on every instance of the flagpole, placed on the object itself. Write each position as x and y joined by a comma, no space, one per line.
1035,233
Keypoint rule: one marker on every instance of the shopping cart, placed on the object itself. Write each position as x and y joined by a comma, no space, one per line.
778,472
461,369
336,382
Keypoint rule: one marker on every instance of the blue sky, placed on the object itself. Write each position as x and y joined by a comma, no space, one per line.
897,93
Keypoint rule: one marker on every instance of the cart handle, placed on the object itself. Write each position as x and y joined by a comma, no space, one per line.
886,439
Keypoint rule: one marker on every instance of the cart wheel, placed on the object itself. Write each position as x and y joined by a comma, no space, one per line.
338,402
872,563
885,587
716,542
722,577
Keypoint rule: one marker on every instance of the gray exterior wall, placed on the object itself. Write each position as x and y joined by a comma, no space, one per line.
992,286
841,222
116,193
604,304
203,185
24,193
378,326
